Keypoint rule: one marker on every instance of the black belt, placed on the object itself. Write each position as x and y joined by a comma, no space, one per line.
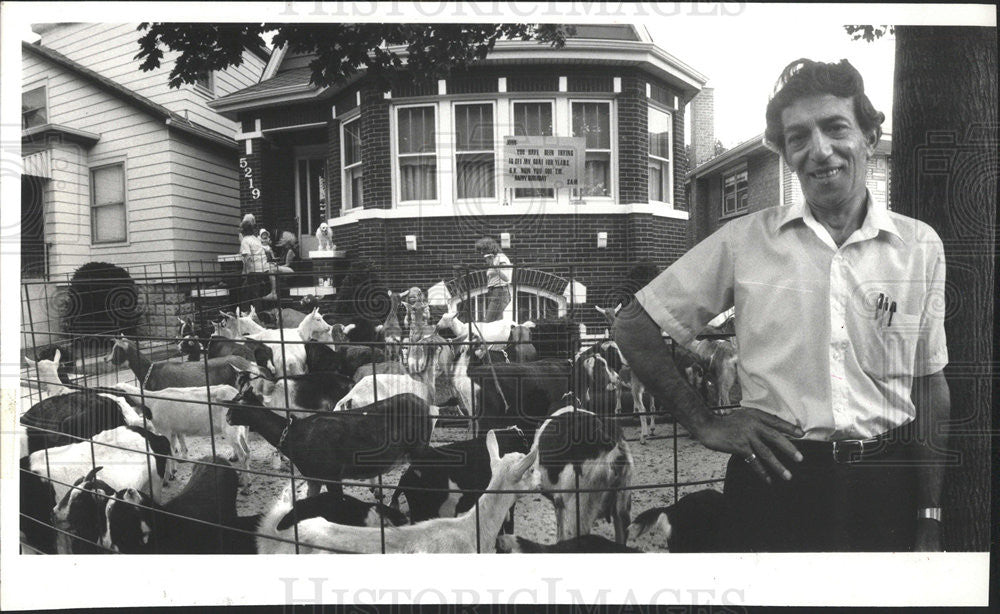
854,450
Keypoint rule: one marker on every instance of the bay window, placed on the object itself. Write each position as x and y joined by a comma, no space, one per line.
533,119
474,151
660,158
592,120
351,162
416,153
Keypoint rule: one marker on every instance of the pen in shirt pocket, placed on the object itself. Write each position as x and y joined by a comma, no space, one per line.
878,305
892,310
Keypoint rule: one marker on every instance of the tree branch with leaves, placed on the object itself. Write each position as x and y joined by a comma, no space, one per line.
427,51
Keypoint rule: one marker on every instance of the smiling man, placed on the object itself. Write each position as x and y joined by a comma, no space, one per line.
839,321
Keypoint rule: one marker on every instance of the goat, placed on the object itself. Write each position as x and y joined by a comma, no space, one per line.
48,476
342,509
305,394
351,444
647,417
77,415
517,394
436,471
424,366
575,443
121,451
584,544
718,356
694,524
492,333
456,535
388,367
187,524
519,345
49,379
346,359
391,331
287,344
166,374
177,413
80,515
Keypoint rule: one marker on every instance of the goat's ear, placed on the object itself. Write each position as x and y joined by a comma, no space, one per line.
349,328
525,464
57,357
92,475
618,308
31,363
492,447
599,309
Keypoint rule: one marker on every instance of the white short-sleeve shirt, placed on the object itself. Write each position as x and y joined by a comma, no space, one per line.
813,349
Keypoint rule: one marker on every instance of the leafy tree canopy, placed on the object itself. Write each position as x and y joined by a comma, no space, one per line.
869,33
432,51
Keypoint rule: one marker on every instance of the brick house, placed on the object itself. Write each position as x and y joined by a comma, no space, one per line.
750,177
423,162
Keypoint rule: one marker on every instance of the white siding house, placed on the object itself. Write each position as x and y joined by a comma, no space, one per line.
119,167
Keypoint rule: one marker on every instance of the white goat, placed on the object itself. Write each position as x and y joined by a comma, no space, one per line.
453,535
48,375
180,412
288,343
491,333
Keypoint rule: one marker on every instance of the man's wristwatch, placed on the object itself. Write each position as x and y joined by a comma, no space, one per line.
934,513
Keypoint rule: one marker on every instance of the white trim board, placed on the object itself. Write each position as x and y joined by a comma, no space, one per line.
418,212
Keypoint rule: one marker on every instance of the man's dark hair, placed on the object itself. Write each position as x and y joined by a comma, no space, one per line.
805,77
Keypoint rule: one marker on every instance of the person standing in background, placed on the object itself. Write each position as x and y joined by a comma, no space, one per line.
498,278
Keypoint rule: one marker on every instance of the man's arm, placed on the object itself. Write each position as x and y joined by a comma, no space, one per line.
932,400
744,432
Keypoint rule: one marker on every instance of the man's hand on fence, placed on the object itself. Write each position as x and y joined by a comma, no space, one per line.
754,435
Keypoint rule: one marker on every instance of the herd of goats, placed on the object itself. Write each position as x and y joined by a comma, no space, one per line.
343,401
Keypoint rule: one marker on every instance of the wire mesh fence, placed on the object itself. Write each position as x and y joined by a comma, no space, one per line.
460,375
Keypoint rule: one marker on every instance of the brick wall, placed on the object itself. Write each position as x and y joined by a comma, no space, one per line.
633,142
376,158
564,245
680,162
764,181
702,109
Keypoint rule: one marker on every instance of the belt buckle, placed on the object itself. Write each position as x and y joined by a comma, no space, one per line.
857,444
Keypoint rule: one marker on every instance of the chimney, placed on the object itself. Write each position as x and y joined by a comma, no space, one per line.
702,126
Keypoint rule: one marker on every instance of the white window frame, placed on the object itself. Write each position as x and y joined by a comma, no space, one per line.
478,298
439,156
611,151
554,104
346,171
669,164
496,150
93,199
733,176
42,85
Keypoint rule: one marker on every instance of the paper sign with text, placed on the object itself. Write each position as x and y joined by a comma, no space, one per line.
543,161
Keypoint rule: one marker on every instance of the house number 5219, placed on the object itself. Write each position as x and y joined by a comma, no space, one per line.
248,174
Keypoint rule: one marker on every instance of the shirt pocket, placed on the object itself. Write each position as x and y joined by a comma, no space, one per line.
889,350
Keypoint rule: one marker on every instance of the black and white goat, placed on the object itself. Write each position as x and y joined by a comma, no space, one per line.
694,524
342,509
579,450
67,418
51,375
188,523
49,475
474,531
436,471
351,444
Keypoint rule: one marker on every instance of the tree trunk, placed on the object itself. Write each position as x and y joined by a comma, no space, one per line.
944,172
